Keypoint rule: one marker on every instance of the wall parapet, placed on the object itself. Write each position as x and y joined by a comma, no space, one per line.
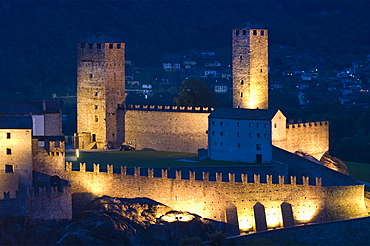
204,176
170,108
307,124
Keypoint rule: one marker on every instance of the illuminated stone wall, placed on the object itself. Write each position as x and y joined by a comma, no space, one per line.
166,131
211,199
100,89
15,151
311,138
250,68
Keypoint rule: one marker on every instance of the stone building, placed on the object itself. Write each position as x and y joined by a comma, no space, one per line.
100,93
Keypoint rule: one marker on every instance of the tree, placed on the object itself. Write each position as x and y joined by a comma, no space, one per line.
195,93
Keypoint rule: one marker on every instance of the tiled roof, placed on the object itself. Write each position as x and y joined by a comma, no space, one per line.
241,113
15,122
33,107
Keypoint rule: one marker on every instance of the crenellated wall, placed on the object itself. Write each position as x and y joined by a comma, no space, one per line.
43,204
311,138
167,130
222,201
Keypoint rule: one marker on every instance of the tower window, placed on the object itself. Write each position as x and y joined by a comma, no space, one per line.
8,151
96,106
96,118
91,46
241,57
262,33
83,46
9,168
241,94
110,46
96,93
254,32
261,70
242,82
91,75
244,32
98,46
8,135
237,32
118,46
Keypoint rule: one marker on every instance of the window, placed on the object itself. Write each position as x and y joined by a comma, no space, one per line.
8,151
98,46
237,32
254,32
238,124
213,123
221,133
244,32
213,132
221,123
250,124
241,94
9,168
57,144
91,75
241,57
91,46
242,82
250,135
41,143
118,46
262,33
258,124
265,125
221,143
96,93
258,146
96,118
238,144
83,46
238,134
8,135
96,106
110,46
266,135
261,70
258,135
274,125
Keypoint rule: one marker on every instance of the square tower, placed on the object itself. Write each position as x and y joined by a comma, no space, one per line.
250,68
100,93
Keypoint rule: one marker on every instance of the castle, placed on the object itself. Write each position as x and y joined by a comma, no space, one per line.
285,191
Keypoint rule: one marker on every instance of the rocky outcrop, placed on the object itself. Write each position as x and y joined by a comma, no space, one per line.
334,163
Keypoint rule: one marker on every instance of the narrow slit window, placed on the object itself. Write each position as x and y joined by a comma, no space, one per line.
8,135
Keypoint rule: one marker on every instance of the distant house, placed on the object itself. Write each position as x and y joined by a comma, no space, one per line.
211,73
302,86
220,88
306,76
208,53
171,65
213,64
226,76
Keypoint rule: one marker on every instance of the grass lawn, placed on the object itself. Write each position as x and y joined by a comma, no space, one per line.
145,159
359,171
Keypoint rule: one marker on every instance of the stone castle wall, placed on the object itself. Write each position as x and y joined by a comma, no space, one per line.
166,130
223,201
44,204
311,138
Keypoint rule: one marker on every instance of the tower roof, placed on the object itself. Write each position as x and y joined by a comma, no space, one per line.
99,38
242,113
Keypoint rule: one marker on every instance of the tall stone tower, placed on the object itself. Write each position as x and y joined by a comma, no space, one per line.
250,68
100,93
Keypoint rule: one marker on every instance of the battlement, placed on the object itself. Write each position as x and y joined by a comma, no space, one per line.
31,192
99,46
205,176
170,108
307,124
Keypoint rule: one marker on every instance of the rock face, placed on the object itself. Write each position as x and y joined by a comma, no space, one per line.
113,221
334,163
328,161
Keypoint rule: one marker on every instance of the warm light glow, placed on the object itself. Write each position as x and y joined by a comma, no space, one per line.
273,217
305,213
177,216
245,225
77,153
